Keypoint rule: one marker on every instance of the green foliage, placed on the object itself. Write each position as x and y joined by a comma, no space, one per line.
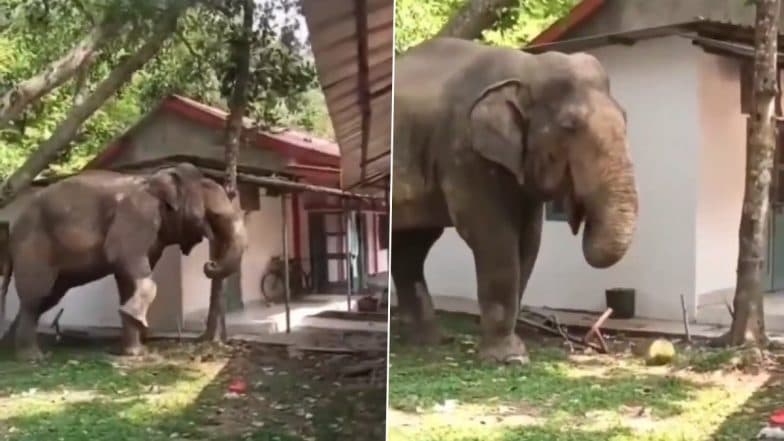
196,63
416,20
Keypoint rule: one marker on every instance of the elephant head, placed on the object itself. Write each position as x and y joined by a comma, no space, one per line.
560,132
198,207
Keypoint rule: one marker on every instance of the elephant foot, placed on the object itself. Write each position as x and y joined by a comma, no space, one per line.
212,337
137,350
31,354
509,349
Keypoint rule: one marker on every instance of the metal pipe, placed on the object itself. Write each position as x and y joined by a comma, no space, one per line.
286,284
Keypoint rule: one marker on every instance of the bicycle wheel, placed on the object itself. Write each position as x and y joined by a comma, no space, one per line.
272,287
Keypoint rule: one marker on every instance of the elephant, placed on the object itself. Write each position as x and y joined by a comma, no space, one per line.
484,137
99,223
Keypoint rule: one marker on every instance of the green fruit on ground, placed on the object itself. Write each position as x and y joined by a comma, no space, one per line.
659,352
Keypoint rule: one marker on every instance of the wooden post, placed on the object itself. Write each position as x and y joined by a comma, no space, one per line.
287,285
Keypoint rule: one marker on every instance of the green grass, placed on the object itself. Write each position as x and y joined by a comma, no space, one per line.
562,397
180,394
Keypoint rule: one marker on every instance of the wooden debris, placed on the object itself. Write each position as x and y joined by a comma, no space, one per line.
685,319
544,327
56,325
363,368
561,330
595,330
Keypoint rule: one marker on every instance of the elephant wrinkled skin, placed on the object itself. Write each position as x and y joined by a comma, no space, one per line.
483,137
101,223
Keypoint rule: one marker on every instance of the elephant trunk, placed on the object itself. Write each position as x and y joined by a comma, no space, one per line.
610,215
226,251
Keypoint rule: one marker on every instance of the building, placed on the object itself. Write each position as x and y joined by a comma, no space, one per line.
352,43
181,129
681,70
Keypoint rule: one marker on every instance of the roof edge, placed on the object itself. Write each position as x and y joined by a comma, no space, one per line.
581,12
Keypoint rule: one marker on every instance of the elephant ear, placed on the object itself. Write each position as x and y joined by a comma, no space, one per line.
163,185
190,198
498,124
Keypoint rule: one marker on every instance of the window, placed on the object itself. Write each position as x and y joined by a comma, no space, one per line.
383,231
554,211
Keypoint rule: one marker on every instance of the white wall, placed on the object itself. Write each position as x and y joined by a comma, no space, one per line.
656,81
722,159
264,242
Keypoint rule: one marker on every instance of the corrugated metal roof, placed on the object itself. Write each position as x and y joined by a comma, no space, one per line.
352,42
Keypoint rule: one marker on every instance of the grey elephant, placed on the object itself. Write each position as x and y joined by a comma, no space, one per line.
101,223
483,137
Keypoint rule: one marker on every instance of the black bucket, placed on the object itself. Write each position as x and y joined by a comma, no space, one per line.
621,300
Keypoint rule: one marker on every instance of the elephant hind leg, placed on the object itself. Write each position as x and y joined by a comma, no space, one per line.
32,305
409,249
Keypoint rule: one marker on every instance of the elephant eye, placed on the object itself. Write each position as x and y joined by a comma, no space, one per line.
569,121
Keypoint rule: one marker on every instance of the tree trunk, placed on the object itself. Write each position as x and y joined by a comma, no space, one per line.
749,319
216,317
14,101
50,149
473,18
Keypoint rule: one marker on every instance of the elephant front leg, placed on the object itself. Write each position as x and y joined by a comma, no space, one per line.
417,315
136,296
498,277
530,239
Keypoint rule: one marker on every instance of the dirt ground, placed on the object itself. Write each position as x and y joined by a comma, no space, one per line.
184,391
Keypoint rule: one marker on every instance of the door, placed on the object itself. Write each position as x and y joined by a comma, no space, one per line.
775,263
318,252
361,266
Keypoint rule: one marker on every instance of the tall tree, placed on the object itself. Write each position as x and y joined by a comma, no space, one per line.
238,103
749,318
65,132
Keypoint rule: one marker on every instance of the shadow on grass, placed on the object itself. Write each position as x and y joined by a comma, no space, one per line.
753,415
423,377
287,400
85,367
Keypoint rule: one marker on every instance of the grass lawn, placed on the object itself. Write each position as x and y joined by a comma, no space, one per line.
447,394
180,392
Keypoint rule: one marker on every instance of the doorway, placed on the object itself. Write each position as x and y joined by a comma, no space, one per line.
774,266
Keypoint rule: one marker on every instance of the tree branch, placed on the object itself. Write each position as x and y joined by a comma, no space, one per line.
474,17
80,6
50,149
14,101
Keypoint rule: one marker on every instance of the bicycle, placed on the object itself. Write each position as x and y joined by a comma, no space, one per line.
272,282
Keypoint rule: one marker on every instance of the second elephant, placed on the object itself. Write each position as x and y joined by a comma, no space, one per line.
101,223
483,138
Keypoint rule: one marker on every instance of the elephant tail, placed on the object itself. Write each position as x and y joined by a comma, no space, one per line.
7,271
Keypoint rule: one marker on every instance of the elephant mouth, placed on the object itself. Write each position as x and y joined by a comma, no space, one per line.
575,210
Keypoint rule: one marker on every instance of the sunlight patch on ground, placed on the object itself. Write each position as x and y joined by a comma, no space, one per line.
76,397
173,398
442,393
